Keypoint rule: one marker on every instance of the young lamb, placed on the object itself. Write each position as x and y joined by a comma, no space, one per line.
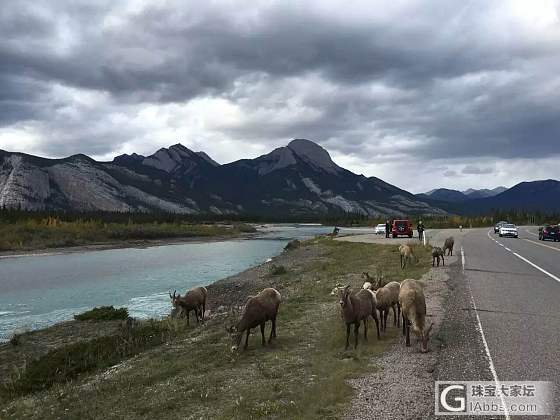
437,253
357,308
448,245
406,254
413,306
388,297
258,310
193,300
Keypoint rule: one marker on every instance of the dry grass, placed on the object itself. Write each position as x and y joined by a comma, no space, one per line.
194,375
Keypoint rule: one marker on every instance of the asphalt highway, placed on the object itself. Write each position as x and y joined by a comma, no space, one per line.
503,315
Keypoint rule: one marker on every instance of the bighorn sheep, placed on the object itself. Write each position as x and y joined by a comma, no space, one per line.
413,306
406,254
357,308
258,310
437,253
193,300
388,297
448,245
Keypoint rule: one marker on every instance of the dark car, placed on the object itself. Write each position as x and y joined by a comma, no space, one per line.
401,228
549,232
498,226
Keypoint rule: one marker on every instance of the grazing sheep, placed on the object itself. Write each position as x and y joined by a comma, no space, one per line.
258,310
437,253
357,308
448,245
388,297
407,254
413,306
193,300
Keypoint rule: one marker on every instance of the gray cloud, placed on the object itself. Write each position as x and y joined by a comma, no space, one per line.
429,81
476,170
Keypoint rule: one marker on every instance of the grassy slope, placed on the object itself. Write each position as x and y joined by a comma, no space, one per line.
32,234
194,374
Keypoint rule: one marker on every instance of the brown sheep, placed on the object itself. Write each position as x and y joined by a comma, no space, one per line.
448,245
387,298
437,254
258,310
407,254
357,308
413,306
193,300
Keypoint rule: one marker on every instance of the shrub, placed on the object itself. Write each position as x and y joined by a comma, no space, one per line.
15,340
103,313
277,270
67,362
293,244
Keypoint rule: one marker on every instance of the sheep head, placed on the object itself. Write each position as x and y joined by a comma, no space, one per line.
175,298
343,295
424,337
234,335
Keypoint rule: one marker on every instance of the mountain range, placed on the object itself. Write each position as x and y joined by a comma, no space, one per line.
454,196
299,179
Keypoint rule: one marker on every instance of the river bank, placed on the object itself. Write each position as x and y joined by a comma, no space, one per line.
193,373
44,235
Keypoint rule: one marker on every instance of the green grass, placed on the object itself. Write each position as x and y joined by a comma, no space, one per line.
103,313
52,233
194,374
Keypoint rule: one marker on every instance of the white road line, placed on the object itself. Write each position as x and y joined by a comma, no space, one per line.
552,276
531,233
522,258
486,348
546,246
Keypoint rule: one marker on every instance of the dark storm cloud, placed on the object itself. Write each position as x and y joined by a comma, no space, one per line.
429,80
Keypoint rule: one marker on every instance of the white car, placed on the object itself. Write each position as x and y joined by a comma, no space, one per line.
509,230
380,229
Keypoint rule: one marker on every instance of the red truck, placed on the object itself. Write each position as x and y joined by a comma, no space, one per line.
401,228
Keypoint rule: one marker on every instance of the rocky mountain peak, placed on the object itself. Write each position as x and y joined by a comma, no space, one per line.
313,154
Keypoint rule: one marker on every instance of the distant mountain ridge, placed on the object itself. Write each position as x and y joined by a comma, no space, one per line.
543,195
297,179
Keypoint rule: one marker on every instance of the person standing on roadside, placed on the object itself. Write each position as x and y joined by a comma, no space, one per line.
420,228
387,228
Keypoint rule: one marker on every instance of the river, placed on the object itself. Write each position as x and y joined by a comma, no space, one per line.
40,290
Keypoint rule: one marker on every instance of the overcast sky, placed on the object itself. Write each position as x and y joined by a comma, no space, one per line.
422,94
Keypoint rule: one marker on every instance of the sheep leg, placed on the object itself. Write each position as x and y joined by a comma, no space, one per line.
188,322
273,330
356,332
443,260
407,334
262,334
376,323
196,314
365,329
394,315
385,316
402,259
403,324
347,336
399,314
247,338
